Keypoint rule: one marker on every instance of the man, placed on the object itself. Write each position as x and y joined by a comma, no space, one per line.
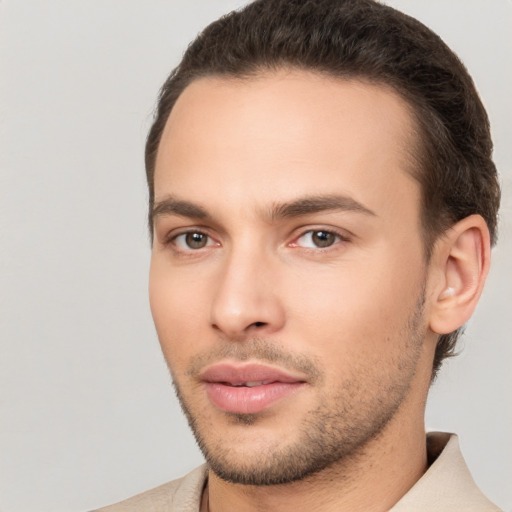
322,206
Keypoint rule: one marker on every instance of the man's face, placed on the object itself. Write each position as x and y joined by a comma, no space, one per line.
288,276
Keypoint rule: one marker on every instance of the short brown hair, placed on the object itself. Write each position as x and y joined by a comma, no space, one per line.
371,41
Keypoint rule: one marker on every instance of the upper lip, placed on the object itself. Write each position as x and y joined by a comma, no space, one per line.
236,374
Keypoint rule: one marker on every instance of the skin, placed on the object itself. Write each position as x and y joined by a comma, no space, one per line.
358,319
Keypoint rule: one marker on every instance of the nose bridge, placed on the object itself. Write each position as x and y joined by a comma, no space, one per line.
244,299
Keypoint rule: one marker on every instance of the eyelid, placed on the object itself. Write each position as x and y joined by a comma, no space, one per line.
342,235
170,239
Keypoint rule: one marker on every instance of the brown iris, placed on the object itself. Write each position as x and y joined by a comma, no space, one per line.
196,240
323,238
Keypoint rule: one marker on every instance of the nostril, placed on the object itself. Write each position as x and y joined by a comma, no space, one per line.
258,324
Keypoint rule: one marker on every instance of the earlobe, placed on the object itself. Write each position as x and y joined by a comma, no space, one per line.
463,258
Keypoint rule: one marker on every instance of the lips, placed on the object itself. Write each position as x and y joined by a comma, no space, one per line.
248,388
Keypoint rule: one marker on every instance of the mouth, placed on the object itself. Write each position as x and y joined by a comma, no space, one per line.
248,388
248,384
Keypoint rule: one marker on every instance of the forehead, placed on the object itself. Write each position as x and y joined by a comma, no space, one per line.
279,134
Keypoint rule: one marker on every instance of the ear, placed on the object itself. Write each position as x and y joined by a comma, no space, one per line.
462,257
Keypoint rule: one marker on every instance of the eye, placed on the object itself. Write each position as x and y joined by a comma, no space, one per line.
192,240
318,239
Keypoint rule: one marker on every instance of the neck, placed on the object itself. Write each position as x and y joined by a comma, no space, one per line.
372,480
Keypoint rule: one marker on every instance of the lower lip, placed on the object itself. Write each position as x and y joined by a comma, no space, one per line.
249,400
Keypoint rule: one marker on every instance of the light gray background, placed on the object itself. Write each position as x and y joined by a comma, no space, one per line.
87,413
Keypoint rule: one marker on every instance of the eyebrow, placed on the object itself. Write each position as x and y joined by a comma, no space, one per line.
316,204
174,206
302,206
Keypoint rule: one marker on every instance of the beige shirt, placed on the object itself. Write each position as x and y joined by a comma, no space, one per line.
446,486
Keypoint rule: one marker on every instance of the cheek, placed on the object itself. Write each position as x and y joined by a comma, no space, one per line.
177,306
359,312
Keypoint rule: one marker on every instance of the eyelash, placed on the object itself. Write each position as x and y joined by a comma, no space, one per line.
338,237
173,238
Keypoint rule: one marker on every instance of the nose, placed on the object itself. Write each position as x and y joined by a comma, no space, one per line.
246,300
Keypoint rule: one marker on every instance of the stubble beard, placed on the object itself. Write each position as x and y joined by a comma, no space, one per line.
337,430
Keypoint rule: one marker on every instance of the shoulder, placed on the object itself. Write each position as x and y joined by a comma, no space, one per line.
183,495
447,485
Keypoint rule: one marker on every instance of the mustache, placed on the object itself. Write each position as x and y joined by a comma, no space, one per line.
259,349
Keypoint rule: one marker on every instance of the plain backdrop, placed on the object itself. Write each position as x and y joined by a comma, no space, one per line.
87,412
